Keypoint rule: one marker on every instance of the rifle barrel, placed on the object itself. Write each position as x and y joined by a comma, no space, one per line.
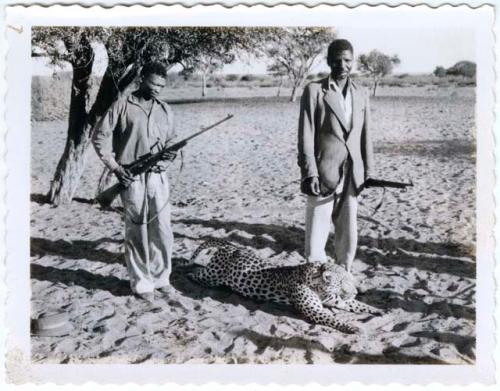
203,130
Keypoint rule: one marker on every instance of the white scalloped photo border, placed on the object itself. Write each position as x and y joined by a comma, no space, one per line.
17,20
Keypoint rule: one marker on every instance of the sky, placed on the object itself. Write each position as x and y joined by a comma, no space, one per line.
423,39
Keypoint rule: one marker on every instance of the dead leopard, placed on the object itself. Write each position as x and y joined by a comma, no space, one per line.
310,288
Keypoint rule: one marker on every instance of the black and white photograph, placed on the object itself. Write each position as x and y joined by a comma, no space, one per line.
267,193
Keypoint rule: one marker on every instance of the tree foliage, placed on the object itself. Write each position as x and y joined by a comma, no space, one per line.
377,65
439,71
293,51
463,68
127,49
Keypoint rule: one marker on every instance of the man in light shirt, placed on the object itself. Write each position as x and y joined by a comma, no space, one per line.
335,156
132,127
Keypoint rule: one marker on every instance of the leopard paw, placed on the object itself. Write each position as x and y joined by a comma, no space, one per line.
348,329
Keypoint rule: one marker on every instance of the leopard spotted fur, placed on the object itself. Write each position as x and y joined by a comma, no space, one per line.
311,289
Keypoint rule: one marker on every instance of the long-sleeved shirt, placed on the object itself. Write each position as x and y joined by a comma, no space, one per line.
345,101
128,130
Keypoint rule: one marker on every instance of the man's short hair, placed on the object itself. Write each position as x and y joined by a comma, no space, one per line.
154,68
338,45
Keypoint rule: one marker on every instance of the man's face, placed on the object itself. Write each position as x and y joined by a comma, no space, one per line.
341,64
152,85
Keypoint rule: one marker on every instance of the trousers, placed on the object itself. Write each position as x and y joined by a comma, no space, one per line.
148,232
342,210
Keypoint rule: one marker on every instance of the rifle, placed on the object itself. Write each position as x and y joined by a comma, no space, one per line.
383,183
370,182
148,161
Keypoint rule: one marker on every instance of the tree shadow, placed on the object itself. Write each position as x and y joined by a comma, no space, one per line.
342,354
458,148
282,238
83,278
276,343
464,344
388,300
76,249
391,355
44,199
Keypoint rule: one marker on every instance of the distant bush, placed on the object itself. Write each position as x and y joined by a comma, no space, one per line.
266,85
402,76
463,68
249,77
232,77
439,71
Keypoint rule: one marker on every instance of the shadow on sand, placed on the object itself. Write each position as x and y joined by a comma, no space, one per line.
281,238
76,249
43,199
83,278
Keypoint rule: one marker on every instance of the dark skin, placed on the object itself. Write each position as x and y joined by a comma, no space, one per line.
149,89
340,64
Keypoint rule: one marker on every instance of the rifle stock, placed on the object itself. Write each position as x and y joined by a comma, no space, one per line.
143,164
106,197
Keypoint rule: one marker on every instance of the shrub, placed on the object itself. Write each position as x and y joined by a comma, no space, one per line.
439,72
249,77
232,77
463,68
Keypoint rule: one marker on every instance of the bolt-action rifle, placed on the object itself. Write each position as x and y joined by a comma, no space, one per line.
147,162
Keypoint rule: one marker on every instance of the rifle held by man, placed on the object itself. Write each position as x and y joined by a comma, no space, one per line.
147,162
370,182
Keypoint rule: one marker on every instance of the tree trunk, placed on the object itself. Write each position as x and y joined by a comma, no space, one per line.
82,120
72,162
279,87
375,85
295,89
203,85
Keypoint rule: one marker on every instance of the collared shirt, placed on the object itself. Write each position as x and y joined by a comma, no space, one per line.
345,101
130,130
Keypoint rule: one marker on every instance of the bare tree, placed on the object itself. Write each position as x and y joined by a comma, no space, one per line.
293,51
377,65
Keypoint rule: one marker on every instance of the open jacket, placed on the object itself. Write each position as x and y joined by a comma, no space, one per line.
325,142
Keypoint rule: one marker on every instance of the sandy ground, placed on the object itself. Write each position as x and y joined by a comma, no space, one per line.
416,256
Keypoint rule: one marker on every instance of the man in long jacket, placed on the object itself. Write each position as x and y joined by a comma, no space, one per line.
335,156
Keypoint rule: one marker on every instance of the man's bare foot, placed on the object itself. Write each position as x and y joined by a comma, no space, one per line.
147,296
166,290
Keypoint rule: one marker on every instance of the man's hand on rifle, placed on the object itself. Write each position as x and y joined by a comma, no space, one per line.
310,186
170,155
123,175
162,166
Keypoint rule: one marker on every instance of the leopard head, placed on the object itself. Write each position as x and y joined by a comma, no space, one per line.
332,282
